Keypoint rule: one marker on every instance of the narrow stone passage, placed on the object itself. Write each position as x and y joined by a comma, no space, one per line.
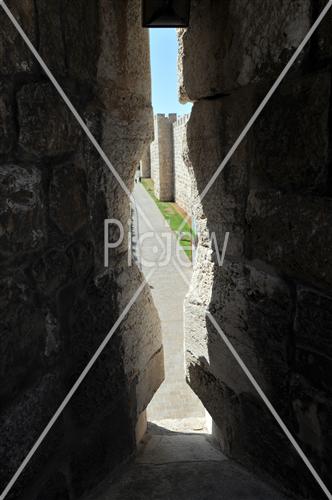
176,459
182,466
169,285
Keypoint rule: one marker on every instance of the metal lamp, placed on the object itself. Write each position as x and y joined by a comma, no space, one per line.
165,13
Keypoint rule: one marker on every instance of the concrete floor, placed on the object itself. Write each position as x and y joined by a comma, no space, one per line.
169,285
182,466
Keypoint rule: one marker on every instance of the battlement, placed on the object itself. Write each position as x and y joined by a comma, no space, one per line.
182,120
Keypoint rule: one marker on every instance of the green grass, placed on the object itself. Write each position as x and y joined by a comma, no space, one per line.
174,218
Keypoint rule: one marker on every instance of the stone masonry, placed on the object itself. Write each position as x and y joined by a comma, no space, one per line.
145,164
162,169
182,177
272,297
172,180
58,301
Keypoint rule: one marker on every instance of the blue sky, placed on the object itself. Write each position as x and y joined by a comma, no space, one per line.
164,48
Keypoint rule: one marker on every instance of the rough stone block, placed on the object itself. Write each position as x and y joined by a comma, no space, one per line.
321,40
150,378
80,21
68,197
51,40
20,425
51,271
232,44
313,321
142,355
212,129
28,335
312,413
248,433
293,233
7,129
61,24
100,449
260,441
90,309
218,399
57,268
22,221
15,57
314,366
291,137
102,39
47,127
313,324
255,311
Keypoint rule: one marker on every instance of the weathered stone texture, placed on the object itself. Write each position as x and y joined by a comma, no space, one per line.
68,198
246,303
22,217
313,320
145,164
321,40
58,301
154,155
293,233
19,301
31,411
291,139
272,295
62,25
15,57
311,414
212,129
7,129
251,42
142,355
47,127
162,171
171,174
312,327
182,176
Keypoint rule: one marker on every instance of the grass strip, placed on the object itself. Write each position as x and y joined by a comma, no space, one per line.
174,218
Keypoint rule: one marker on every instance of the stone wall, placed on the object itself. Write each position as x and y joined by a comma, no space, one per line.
58,301
272,297
182,177
154,158
161,150
145,164
169,172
